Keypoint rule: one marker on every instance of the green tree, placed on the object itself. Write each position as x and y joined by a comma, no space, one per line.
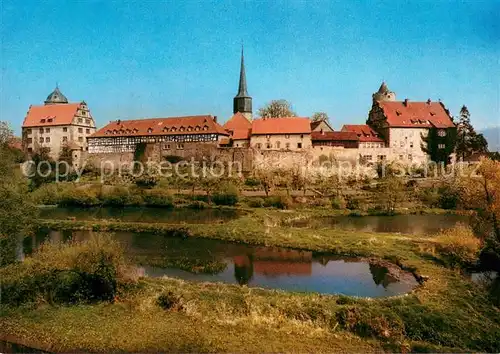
276,109
320,116
16,211
468,141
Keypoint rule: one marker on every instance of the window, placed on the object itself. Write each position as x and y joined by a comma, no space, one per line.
180,146
402,143
80,120
50,120
47,130
441,146
442,132
87,121
42,120
400,157
28,131
30,140
41,140
299,145
287,136
268,136
367,157
302,136
381,157
258,145
268,146
411,144
41,130
278,145
65,139
167,147
410,157
47,139
65,130
87,131
287,146
30,150
80,139
80,130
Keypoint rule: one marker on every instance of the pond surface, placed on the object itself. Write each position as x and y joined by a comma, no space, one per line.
9,347
405,224
268,267
146,215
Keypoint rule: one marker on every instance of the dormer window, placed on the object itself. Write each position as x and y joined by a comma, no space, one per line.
150,130
42,120
50,120
432,114
398,113
181,129
108,132
197,128
173,129
205,127
189,129
165,130
136,130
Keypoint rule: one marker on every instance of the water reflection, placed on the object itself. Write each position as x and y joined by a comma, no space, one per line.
268,267
406,224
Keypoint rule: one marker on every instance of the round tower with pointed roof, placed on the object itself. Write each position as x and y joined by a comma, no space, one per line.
384,94
56,97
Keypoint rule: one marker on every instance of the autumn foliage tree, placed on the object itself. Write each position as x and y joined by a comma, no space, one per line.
481,191
277,109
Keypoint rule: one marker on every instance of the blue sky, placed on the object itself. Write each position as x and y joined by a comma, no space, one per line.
132,59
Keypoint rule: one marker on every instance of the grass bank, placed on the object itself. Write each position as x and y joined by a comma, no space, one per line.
219,317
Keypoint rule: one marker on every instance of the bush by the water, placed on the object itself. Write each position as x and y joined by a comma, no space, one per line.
256,202
227,195
71,272
352,203
458,246
158,197
279,201
81,196
119,196
338,203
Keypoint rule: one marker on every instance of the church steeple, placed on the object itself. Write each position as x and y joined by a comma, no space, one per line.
242,102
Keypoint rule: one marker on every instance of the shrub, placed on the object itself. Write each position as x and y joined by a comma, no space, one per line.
279,201
48,194
256,202
71,272
119,196
252,182
459,246
158,198
448,197
430,197
352,203
170,301
227,195
338,203
146,181
83,196
198,204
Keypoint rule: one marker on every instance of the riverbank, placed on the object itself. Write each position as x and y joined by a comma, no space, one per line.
222,317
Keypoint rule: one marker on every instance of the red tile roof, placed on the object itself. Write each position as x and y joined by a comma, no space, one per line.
327,136
416,114
238,126
49,115
162,126
289,125
363,131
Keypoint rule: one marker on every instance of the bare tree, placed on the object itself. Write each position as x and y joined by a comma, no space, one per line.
320,116
277,109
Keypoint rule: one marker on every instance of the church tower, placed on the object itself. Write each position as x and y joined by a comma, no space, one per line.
242,102
384,94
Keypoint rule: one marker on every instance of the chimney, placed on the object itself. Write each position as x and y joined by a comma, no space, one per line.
429,101
118,121
406,102
322,132
215,119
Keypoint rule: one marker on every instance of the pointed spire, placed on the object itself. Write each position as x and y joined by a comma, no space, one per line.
383,88
242,88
